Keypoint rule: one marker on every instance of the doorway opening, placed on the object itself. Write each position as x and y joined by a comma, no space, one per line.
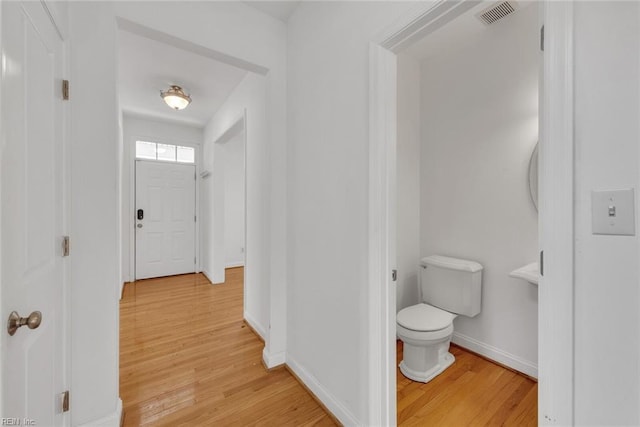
227,185
467,127
175,141
202,164
556,166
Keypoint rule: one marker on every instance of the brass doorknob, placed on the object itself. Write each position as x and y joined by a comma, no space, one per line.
15,321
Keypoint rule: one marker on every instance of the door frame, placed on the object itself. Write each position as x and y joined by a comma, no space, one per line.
556,235
274,218
2,358
237,127
130,148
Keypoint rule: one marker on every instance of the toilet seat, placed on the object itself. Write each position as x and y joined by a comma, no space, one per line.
424,318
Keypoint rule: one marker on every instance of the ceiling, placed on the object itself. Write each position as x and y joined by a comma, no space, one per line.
147,66
281,10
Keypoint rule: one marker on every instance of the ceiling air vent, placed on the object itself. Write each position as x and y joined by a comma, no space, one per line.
497,11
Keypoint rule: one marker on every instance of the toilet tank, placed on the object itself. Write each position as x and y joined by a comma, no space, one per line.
451,284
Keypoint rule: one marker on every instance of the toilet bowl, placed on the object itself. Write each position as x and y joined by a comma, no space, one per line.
426,333
449,287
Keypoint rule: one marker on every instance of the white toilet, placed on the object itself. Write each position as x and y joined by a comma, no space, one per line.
448,287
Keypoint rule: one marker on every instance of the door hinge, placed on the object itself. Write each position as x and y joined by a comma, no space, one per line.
542,38
65,90
65,246
195,218
394,275
65,401
542,263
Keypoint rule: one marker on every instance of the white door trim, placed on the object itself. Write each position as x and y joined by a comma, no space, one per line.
422,20
556,288
382,294
556,221
2,345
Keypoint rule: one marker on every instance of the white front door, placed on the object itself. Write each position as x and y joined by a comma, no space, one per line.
165,219
32,211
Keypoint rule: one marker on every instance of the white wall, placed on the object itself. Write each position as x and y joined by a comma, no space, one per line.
94,218
234,201
328,160
146,129
241,33
607,300
250,97
408,181
479,128
328,113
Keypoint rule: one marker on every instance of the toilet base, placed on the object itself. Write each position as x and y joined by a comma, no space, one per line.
426,376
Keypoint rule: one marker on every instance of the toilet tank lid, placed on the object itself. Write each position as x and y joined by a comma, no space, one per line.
451,263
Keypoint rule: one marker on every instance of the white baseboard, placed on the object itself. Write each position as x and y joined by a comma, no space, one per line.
111,420
235,264
493,353
273,360
122,289
255,325
209,276
328,400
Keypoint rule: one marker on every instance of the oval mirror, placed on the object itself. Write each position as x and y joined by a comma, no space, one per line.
533,177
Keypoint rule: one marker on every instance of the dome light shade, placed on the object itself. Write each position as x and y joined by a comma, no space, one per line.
176,98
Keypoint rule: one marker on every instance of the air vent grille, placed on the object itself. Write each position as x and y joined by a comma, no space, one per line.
496,12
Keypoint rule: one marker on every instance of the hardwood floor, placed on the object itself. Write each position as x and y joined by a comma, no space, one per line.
187,358
473,391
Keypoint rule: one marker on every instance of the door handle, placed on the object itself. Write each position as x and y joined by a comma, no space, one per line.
15,321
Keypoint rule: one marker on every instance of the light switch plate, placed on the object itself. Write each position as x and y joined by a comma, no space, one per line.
613,212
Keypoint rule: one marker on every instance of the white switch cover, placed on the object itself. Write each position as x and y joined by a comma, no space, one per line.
613,212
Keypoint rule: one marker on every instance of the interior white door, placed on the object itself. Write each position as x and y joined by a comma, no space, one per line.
165,219
32,210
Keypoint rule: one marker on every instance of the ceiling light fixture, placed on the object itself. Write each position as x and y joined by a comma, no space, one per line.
175,97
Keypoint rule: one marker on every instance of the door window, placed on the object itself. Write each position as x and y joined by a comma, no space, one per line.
164,152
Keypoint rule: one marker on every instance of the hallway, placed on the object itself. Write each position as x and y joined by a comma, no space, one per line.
188,358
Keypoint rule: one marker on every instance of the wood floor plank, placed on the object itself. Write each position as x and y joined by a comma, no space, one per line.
472,392
526,411
188,358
